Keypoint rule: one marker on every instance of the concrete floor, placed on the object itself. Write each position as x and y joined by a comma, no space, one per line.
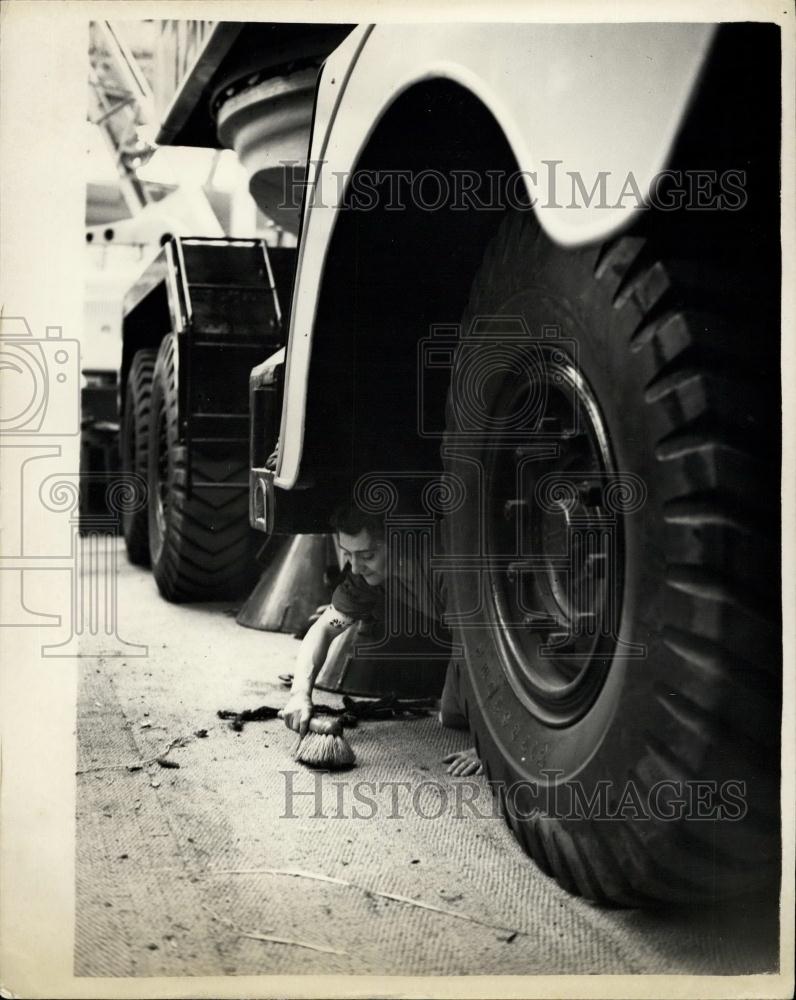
175,867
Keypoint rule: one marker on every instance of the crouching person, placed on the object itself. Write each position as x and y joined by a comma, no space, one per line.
360,597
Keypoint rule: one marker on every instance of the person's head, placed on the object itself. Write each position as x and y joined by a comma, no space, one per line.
361,539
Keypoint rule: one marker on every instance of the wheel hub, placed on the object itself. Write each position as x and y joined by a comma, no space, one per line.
556,546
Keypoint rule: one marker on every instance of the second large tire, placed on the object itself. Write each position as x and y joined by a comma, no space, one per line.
135,449
201,546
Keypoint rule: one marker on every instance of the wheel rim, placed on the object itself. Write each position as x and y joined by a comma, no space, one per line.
556,547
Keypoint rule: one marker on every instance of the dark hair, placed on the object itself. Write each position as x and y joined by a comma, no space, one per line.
348,517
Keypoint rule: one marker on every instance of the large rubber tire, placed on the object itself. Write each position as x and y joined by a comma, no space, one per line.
685,379
135,449
201,547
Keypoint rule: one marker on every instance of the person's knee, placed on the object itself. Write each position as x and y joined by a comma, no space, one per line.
452,719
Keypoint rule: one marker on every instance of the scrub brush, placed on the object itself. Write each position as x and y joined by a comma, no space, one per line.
324,746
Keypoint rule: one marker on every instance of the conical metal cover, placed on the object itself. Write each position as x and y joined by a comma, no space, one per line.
292,586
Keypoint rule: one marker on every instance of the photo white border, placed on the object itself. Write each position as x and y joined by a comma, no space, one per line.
43,63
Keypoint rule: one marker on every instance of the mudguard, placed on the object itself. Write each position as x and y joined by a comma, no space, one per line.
582,99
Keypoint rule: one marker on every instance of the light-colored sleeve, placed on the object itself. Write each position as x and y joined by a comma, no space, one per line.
336,620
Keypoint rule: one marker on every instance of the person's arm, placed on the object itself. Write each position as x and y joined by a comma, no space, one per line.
311,657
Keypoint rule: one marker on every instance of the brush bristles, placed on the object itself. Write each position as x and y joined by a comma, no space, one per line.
323,750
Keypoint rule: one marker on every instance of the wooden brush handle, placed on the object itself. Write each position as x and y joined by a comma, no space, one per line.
325,727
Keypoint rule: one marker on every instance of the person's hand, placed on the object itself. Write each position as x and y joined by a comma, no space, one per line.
297,712
463,763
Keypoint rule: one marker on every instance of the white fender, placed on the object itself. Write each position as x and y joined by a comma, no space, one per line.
582,99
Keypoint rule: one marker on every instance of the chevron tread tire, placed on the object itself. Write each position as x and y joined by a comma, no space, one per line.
688,395
135,449
201,546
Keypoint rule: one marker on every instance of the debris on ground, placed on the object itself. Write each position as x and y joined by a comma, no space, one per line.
353,710
261,936
286,678
201,734
139,765
508,938
510,932
239,719
165,762
296,944
145,725
357,710
450,896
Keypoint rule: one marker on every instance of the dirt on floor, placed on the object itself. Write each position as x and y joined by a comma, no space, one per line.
227,857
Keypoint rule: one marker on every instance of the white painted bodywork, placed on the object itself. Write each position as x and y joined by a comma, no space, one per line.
599,97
